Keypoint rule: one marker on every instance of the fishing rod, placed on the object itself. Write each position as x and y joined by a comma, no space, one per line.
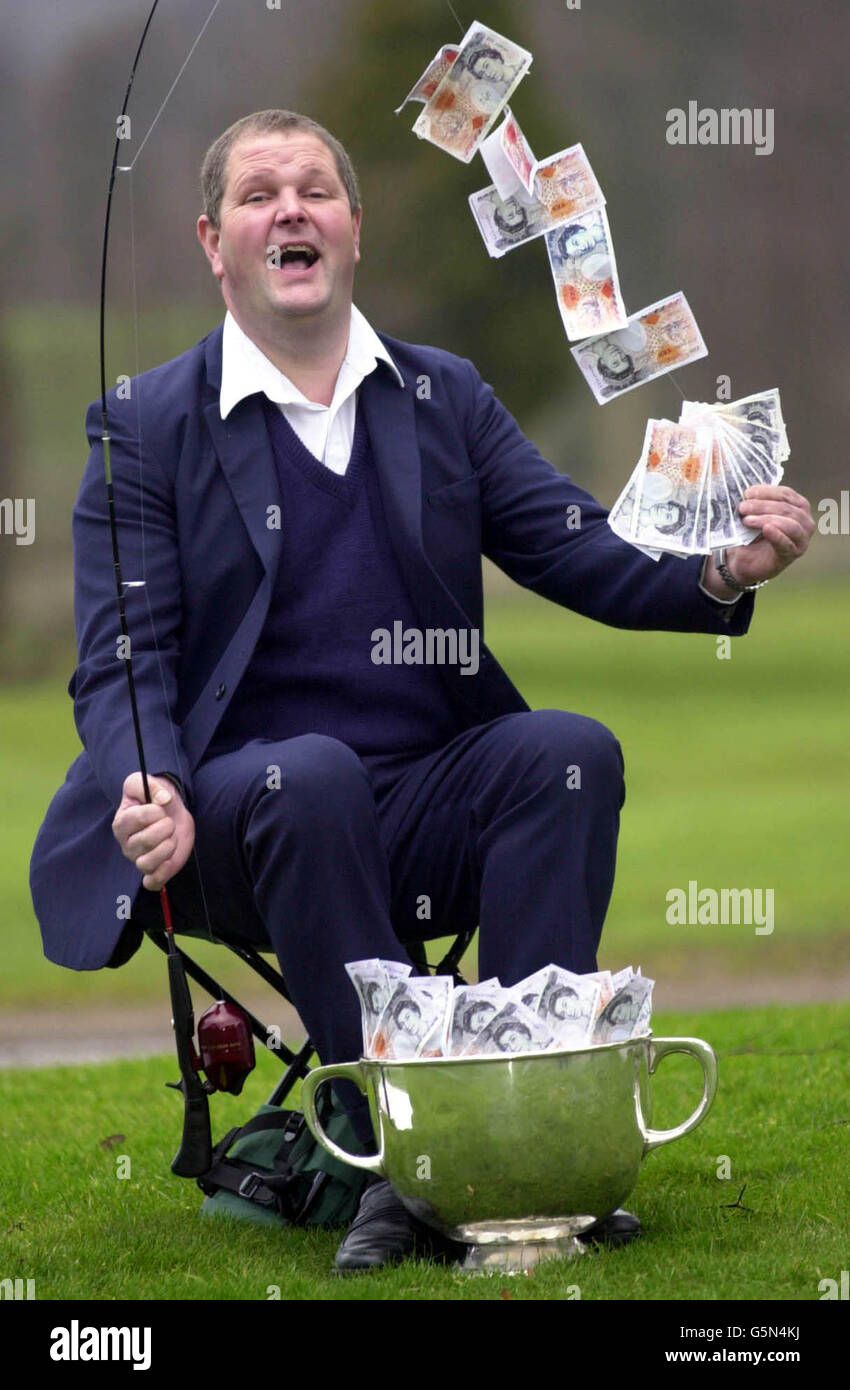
194,1156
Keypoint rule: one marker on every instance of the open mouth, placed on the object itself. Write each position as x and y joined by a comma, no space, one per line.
296,257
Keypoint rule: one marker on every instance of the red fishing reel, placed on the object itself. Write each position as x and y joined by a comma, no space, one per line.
226,1047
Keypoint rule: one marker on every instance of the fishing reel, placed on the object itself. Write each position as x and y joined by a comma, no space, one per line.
226,1047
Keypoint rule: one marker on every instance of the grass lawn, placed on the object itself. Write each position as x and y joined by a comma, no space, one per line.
780,1118
736,775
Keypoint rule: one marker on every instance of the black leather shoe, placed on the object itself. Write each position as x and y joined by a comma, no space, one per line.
617,1229
384,1232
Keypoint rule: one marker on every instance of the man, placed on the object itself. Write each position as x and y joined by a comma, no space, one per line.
285,490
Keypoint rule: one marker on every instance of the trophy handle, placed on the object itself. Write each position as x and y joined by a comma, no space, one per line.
349,1071
659,1048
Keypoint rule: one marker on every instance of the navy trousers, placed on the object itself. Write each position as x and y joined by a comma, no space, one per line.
329,858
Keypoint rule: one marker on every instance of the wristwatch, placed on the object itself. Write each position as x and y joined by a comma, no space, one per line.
729,580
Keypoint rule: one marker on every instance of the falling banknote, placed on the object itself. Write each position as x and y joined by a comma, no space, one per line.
656,340
509,160
467,99
564,188
431,78
581,256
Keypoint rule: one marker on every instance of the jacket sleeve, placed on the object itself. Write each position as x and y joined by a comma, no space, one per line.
573,557
148,546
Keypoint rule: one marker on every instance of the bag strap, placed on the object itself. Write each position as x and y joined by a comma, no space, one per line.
268,1188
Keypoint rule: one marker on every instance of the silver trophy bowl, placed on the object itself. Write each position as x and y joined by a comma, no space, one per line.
514,1156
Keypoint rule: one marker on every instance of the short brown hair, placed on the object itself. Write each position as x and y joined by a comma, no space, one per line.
214,167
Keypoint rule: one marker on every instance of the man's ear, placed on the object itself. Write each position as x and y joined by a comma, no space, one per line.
209,237
356,219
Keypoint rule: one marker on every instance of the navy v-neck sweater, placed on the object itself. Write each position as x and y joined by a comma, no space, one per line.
338,580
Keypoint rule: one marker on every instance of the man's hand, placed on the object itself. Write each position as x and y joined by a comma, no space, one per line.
158,835
785,520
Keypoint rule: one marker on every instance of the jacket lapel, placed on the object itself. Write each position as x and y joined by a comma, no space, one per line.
244,450
390,417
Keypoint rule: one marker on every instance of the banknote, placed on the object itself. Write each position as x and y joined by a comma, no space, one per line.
566,185
513,1029
416,1019
606,986
529,990
518,151
505,223
676,461
620,515
627,1013
656,340
460,112
752,432
374,981
755,449
748,445
508,159
725,525
568,1005
427,84
559,198
762,410
473,1007
581,257
622,977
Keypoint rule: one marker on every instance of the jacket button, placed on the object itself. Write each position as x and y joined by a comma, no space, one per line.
221,691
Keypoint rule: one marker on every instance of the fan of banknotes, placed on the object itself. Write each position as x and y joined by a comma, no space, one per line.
683,495
553,1009
463,91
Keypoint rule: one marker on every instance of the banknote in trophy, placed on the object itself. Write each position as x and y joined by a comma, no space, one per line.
468,98
416,1019
581,257
406,1017
569,1004
513,1029
627,1013
473,1007
655,340
374,981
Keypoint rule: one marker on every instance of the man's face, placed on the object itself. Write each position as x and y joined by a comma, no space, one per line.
282,189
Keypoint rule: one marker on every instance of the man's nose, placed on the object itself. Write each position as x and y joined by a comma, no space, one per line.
290,208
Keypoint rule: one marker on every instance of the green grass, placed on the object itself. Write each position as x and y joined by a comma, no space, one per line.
736,776
780,1117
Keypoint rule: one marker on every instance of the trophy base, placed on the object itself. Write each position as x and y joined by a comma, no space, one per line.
511,1247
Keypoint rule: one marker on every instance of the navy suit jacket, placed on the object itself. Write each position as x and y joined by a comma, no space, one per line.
192,492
